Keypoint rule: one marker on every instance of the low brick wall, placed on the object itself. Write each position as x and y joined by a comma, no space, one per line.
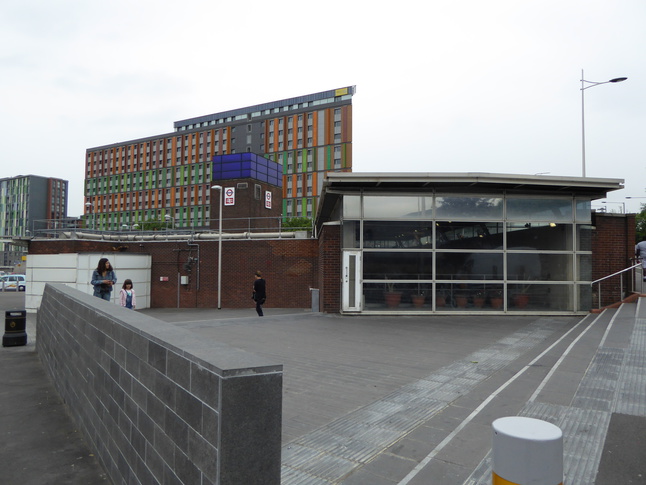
157,404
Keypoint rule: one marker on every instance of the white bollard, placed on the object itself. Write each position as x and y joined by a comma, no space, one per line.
526,451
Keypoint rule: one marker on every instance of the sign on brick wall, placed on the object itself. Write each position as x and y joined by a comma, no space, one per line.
267,200
229,196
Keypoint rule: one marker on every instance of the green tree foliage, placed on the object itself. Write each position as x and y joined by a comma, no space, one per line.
152,225
640,221
297,224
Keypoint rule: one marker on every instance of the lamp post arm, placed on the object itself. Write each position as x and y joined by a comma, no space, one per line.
583,88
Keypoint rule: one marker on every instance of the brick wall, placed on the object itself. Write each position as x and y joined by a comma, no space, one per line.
290,267
248,212
157,404
330,268
613,246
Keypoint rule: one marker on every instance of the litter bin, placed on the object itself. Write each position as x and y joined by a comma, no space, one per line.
15,326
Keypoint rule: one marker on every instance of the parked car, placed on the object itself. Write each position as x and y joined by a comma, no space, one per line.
14,282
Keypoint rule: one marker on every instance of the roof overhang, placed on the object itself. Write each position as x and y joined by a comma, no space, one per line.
337,184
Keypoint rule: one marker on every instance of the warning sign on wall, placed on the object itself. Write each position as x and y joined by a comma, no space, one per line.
229,196
267,200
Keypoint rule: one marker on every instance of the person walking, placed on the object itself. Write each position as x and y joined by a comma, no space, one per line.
103,278
259,292
640,252
127,296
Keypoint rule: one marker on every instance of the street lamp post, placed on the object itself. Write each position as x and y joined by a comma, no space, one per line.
219,187
88,206
170,219
591,84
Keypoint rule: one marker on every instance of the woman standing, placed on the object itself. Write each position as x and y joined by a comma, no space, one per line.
103,278
127,296
259,292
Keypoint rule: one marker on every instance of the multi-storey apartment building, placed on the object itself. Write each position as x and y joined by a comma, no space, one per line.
29,204
170,175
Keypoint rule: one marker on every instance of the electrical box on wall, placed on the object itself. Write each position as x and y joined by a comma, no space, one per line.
183,280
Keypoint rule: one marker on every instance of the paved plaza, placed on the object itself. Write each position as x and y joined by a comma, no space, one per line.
388,399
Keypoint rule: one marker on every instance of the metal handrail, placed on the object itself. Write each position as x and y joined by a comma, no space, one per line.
615,274
621,281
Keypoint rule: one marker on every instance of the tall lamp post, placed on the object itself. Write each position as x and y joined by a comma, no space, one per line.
170,219
590,84
88,206
219,187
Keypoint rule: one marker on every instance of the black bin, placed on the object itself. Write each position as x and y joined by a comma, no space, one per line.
15,326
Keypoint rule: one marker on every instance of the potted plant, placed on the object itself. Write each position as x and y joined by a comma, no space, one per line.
461,298
440,298
495,296
521,297
418,300
479,298
392,297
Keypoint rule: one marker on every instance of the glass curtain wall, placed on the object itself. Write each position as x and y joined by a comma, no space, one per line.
471,253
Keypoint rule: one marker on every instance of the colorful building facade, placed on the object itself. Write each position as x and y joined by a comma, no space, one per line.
29,204
170,175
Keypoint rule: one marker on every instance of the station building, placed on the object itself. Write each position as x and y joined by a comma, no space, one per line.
467,242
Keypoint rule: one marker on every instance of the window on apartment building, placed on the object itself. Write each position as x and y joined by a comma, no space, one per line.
257,192
337,157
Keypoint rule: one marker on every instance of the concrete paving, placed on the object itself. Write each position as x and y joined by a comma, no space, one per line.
391,400
39,442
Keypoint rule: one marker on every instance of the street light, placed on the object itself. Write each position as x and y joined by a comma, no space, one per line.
219,187
88,206
170,219
591,84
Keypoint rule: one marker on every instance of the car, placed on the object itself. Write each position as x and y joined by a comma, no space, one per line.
14,282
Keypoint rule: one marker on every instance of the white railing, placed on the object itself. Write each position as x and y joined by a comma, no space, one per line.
621,274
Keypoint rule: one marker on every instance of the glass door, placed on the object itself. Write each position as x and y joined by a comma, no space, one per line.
351,288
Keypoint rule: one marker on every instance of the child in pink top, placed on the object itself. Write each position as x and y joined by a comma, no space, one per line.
127,296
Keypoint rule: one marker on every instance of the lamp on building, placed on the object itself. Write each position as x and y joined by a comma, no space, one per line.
591,84
219,187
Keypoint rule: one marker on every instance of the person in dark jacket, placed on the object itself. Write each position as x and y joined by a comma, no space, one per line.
103,278
259,292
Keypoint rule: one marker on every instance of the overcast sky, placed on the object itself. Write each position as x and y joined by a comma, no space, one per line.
442,86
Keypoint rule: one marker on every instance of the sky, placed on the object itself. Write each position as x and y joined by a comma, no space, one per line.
442,86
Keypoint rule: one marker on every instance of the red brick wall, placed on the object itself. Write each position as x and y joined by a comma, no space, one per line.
248,212
330,268
613,246
290,267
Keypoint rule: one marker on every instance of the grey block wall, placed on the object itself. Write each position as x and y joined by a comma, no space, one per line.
157,404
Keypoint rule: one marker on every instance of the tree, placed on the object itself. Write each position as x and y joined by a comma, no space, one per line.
152,225
297,224
640,222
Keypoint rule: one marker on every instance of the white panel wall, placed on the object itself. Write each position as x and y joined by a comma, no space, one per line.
76,269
